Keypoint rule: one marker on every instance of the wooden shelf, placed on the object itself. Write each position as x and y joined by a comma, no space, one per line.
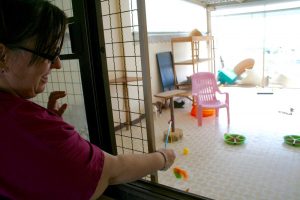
184,84
192,39
123,80
195,61
194,54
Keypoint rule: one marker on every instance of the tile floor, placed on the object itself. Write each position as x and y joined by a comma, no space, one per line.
263,168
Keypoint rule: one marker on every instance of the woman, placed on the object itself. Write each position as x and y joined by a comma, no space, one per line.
41,156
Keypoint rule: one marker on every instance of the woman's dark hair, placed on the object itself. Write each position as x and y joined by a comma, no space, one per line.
22,20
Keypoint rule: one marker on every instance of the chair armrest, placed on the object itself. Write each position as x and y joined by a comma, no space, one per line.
226,96
220,92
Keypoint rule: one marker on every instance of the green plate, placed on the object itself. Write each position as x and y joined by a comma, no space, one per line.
293,140
234,139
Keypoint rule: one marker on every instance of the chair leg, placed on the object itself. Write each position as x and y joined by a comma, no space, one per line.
199,115
217,112
228,115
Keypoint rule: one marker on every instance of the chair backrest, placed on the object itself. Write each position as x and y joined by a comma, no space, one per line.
165,65
204,86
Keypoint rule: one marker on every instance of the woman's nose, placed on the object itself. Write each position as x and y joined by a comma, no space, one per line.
56,64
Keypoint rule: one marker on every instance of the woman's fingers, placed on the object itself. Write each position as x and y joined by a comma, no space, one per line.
53,103
62,109
57,95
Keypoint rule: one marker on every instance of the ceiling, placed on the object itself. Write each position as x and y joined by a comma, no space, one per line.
208,3
216,3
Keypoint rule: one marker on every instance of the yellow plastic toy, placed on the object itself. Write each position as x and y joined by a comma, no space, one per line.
186,151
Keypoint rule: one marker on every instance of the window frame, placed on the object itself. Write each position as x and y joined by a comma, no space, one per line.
87,16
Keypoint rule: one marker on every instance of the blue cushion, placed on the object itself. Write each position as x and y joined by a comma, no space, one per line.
165,65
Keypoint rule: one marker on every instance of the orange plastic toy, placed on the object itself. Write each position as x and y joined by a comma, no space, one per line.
205,113
180,173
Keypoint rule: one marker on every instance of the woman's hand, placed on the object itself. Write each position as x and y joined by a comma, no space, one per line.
169,157
53,105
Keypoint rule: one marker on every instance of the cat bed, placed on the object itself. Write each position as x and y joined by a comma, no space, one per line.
234,139
293,140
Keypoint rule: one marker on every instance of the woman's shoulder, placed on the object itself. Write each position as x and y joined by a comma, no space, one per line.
11,100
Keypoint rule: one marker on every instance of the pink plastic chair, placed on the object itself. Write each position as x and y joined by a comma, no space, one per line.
204,90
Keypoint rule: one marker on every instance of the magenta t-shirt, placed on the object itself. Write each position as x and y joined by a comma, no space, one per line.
43,157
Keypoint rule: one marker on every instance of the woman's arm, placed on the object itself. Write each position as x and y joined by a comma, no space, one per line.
129,167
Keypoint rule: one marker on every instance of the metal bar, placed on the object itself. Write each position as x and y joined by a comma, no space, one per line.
146,77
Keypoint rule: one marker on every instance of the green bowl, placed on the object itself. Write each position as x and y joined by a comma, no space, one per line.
234,139
293,140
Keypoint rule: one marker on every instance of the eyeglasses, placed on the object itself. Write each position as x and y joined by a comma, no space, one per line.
51,58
